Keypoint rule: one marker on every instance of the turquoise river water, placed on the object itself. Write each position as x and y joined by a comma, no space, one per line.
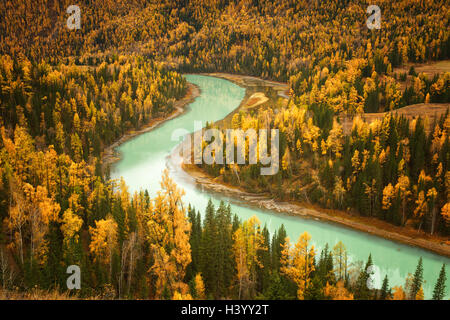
144,157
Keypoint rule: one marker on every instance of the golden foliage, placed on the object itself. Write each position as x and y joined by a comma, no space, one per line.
398,293
338,292
168,235
298,262
103,239
248,240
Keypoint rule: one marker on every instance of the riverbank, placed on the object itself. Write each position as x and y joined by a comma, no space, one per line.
373,226
109,154
250,81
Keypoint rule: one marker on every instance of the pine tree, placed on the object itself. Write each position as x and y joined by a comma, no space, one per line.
225,262
362,292
264,256
278,241
439,288
208,252
298,263
324,268
315,290
195,241
417,280
385,290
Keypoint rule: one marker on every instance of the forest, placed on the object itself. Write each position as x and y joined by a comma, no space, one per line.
66,95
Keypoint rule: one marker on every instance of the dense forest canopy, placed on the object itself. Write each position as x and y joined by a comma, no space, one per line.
68,94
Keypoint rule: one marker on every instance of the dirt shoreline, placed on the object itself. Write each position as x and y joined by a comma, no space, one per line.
110,155
382,229
291,208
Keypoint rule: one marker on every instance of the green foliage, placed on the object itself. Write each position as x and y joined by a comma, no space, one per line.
439,288
385,290
362,291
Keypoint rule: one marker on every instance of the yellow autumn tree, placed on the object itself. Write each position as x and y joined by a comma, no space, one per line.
248,240
40,210
335,139
286,161
180,296
340,260
168,236
199,287
431,200
17,219
31,209
421,203
402,189
388,196
356,164
445,212
70,226
298,262
104,241
398,293
339,191
420,295
338,292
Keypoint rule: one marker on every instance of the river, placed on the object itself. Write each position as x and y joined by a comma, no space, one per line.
144,158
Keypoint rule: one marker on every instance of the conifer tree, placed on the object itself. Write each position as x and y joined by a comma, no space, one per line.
225,261
417,280
439,288
362,292
385,290
278,241
195,241
208,258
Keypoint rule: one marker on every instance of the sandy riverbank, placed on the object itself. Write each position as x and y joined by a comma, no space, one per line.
374,226
109,154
